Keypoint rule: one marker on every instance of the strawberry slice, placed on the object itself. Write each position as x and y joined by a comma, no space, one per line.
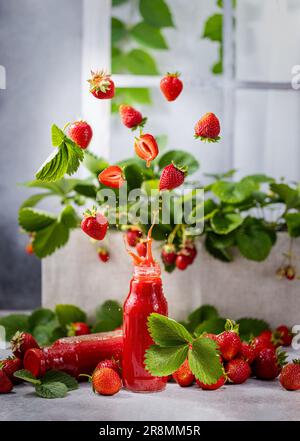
112,177
146,148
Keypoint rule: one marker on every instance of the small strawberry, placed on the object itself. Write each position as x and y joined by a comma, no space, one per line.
262,342
106,381
171,86
184,376
112,364
290,272
78,328
29,248
103,254
112,177
268,363
182,262
6,385
101,85
237,371
229,341
171,177
141,249
247,352
189,252
21,342
10,366
146,148
290,376
208,128
131,117
94,224
214,386
285,335
168,254
81,133
133,236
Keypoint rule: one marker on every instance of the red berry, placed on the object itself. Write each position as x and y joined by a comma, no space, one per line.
267,364
81,133
238,371
290,272
133,237
10,366
184,376
182,262
290,376
168,254
6,385
29,248
131,117
214,386
78,328
112,177
141,249
112,364
101,85
103,254
261,342
211,336
247,352
94,225
171,177
285,335
21,342
208,128
229,343
171,86
106,381
146,148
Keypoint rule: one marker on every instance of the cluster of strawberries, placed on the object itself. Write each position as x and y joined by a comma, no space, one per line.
260,358
182,258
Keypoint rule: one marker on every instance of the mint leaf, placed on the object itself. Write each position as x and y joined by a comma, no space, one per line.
75,156
25,375
148,35
13,323
204,360
67,314
33,220
57,135
61,377
251,327
40,316
180,158
55,166
224,223
293,224
167,332
156,13
51,390
213,325
164,361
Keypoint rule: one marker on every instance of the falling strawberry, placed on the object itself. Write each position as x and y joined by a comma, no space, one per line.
268,363
81,133
6,384
94,224
112,177
141,249
103,254
106,381
146,148
171,86
10,366
290,376
184,376
133,236
237,371
78,328
217,385
168,254
21,342
208,128
171,177
229,342
101,85
112,364
285,335
131,117
182,262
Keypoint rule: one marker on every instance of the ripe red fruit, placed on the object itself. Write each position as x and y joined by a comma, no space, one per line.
81,133
238,371
290,376
182,262
6,385
78,328
133,237
101,85
112,364
247,352
21,342
131,117
214,386
211,336
290,272
171,177
146,148
103,254
229,342
112,177
208,128
94,224
171,86
184,376
285,335
141,249
262,342
268,363
10,366
106,381
29,248
168,254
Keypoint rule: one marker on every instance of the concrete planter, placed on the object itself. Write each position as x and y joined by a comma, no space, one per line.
241,288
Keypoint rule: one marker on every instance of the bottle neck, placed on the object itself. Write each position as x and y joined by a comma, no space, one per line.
142,272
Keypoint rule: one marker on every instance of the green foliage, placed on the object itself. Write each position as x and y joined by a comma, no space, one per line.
118,30
140,62
254,240
213,28
13,323
109,316
68,314
149,36
156,13
251,327
293,224
180,158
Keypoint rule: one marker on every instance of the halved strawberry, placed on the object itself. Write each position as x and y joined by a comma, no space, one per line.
146,148
112,177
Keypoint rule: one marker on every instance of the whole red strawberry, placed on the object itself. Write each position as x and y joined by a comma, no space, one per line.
10,366
238,371
229,342
290,376
285,335
131,117
106,381
268,363
141,249
133,236
146,148
247,352
214,386
112,364
112,176
189,252
184,376
182,262
103,254
29,248
78,328
94,224
21,342
81,133
262,342
168,254
171,86
6,385
171,177
208,128
101,85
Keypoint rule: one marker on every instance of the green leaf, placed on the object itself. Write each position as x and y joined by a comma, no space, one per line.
224,223
138,95
87,190
156,13
40,316
117,60
293,224
287,194
204,312
180,158
204,360
34,199
150,187
61,377
43,333
140,62
118,30
49,239
260,178
164,361
67,314
213,28
234,192
33,220
134,176
103,326
109,316
13,323
55,166
69,217
25,375
149,36
94,163
75,157
57,135
219,246
253,240
214,325
51,390
118,2
167,332
250,327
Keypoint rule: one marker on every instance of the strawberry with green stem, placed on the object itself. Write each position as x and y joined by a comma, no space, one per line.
290,376
208,128
78,328
81,133
103,254
171,86
268,363
172,177
101,85
229,341
131,117
94,224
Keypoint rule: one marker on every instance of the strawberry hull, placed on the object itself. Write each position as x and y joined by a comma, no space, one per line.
75,355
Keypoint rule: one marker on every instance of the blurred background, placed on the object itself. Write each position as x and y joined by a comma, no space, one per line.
236,58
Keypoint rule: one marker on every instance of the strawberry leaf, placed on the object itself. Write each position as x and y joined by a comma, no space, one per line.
51,390
214,325
75,156
49,239
250,327
57,135
164,361
61,377
167,332
25,375
33,220
204,360
67,314
55,166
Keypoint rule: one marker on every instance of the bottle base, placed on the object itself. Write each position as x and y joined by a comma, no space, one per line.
144,391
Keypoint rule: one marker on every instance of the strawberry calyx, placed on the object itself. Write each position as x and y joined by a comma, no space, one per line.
140,125
90,212
182,168
296,361
204,139
17,341
99,82
281,357
173,75
231,325
71,330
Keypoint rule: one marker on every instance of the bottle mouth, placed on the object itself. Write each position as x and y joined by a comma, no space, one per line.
146,271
